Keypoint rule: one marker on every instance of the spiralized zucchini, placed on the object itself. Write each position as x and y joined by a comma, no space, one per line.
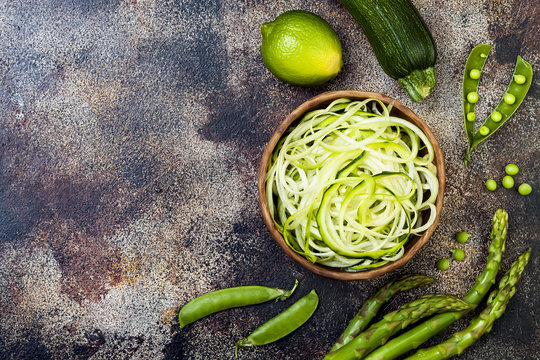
347,185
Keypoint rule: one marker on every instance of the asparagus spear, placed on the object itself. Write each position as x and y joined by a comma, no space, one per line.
431,327
372,305
497,301
395,321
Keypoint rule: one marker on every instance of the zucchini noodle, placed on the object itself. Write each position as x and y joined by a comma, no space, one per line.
347,185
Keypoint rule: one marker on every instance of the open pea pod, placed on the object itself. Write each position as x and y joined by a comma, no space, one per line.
514,95
512,99
471,79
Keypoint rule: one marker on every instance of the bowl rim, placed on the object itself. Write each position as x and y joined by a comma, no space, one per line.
312,104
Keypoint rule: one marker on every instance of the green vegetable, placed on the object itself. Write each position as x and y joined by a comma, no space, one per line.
496,305
509,98
443,264
496,116
484,130
511,169
514,95
415,337
283,324
525,189
508,182
491,185
520,79
471,116
472,97
346,186
462,237
393,322
470,84
475,74
372,305
401,41
223,299
458,254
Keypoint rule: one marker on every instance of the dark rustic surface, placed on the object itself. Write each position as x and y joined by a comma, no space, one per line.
130,135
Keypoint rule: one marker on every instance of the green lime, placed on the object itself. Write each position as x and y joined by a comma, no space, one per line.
301,48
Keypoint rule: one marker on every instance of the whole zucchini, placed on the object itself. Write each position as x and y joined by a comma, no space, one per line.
401,41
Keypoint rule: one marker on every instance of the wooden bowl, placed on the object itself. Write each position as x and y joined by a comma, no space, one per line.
322,101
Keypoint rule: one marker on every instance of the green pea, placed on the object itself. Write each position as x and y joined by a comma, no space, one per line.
462,237
508,182
524,189
483,55
472,97
491,185
471,116
509,98
475,74
511,169
484,130
520,79
496,116
458,254
443,264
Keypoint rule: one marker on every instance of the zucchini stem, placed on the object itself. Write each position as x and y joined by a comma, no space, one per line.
419,83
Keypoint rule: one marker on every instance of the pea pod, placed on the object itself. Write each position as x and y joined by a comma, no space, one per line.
471,79
283,324
512,99
223,299
514,95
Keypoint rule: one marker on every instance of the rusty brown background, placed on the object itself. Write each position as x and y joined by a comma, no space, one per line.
130,136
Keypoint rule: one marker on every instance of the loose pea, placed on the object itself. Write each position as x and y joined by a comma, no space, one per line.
471,116
508,182
509,98
462,237
491,185
475,74
524,189
496,116
484,130
520,79
458,254
472,97
511,169
443,264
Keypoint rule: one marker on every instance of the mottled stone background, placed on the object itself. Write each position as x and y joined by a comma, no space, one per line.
130,136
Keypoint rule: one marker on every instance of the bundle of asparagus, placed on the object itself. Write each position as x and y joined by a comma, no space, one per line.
355,343
372,305
378,333
496,305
